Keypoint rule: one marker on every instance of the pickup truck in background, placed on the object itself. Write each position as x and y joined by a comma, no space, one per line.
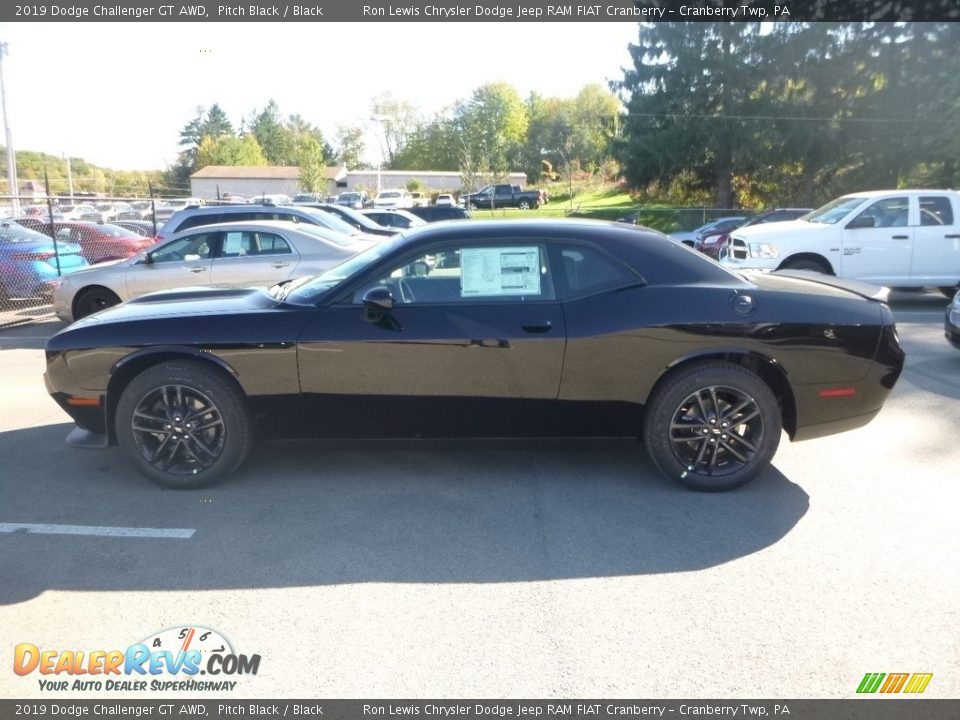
897,238
501,196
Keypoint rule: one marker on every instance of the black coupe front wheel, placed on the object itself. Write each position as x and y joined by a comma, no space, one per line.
713,426
183,424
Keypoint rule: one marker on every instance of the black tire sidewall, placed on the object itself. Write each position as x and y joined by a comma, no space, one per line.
84,299
238,431
675,389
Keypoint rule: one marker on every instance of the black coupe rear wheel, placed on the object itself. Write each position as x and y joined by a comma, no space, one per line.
183,424
713,426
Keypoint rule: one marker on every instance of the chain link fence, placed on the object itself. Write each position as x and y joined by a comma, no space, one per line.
44,238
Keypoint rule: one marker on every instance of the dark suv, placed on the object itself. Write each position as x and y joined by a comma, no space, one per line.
433,213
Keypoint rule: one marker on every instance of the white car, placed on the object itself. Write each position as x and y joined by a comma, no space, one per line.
445,200
393,199
241,253
897,238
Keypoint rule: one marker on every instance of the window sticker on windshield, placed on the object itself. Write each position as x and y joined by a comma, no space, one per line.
499,271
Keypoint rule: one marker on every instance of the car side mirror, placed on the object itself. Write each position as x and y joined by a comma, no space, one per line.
861,221
377,301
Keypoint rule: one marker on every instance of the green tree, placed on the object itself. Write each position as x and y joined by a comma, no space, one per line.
230,150
692,97
310,160
349,147
276,139
396,120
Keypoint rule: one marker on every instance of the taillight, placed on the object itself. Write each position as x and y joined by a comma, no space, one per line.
43,255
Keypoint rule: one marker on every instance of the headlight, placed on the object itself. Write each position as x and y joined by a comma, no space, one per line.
764,250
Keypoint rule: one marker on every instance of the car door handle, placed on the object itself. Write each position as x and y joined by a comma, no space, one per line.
537,329
280,264
952,237
901,237
196,269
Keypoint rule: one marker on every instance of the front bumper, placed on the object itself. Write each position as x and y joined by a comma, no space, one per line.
951,327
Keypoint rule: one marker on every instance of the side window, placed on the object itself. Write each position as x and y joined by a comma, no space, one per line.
270,244
889,212
186,249
583,270
465,274
200,219
935,210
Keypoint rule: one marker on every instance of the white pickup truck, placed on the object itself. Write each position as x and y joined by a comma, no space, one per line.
897,238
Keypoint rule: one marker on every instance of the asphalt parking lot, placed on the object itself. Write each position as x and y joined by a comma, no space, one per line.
503,570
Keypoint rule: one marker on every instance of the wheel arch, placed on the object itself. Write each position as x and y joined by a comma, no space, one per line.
126,369
768,369
85,289
812,256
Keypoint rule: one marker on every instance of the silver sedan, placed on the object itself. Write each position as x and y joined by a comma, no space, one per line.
239,253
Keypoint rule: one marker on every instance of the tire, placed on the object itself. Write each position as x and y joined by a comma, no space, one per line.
153,431
806,264
696,401
949,291
524,205
93,300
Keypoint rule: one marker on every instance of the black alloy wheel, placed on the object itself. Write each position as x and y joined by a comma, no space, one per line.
93,300
183,424
713,426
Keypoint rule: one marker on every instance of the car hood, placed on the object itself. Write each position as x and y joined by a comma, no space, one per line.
774,230
182,303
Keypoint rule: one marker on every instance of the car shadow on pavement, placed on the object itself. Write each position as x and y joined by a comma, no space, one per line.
321,513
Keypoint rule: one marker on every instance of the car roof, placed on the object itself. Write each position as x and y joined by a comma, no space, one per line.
285,225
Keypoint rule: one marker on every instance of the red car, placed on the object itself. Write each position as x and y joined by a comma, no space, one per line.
100,242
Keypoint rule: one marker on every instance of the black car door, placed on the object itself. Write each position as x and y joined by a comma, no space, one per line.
473,347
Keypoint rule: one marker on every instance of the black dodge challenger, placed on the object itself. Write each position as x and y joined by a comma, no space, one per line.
486,329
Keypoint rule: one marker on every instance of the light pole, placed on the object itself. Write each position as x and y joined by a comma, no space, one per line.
69,177
11,158
378,119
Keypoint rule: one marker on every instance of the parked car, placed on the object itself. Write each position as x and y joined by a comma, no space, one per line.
355,200
109,211
394,218
445,200
77,212
501,196
269,199
559,328
99,241
226,253
952,321
144,228
897,238
442,212
307,198
196,216
355,218
418,198
393,199
710,243
720,225
29,262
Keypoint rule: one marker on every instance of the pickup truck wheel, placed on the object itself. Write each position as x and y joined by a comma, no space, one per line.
524,204
712,426
807,264
949,291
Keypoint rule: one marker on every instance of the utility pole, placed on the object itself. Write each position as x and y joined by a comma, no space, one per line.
11,158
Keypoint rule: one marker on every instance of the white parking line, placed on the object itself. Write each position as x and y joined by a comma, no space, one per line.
99,531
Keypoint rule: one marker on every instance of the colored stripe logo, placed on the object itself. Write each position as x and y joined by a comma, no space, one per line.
884,683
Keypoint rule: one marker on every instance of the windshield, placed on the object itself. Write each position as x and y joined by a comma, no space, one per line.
389,194
326,234
835,211
331,221
13,233
306,291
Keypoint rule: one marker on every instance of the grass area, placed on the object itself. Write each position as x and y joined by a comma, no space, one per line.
609,202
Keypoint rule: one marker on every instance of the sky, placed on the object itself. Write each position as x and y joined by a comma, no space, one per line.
117,94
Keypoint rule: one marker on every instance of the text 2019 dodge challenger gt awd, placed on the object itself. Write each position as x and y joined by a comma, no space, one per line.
486,329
